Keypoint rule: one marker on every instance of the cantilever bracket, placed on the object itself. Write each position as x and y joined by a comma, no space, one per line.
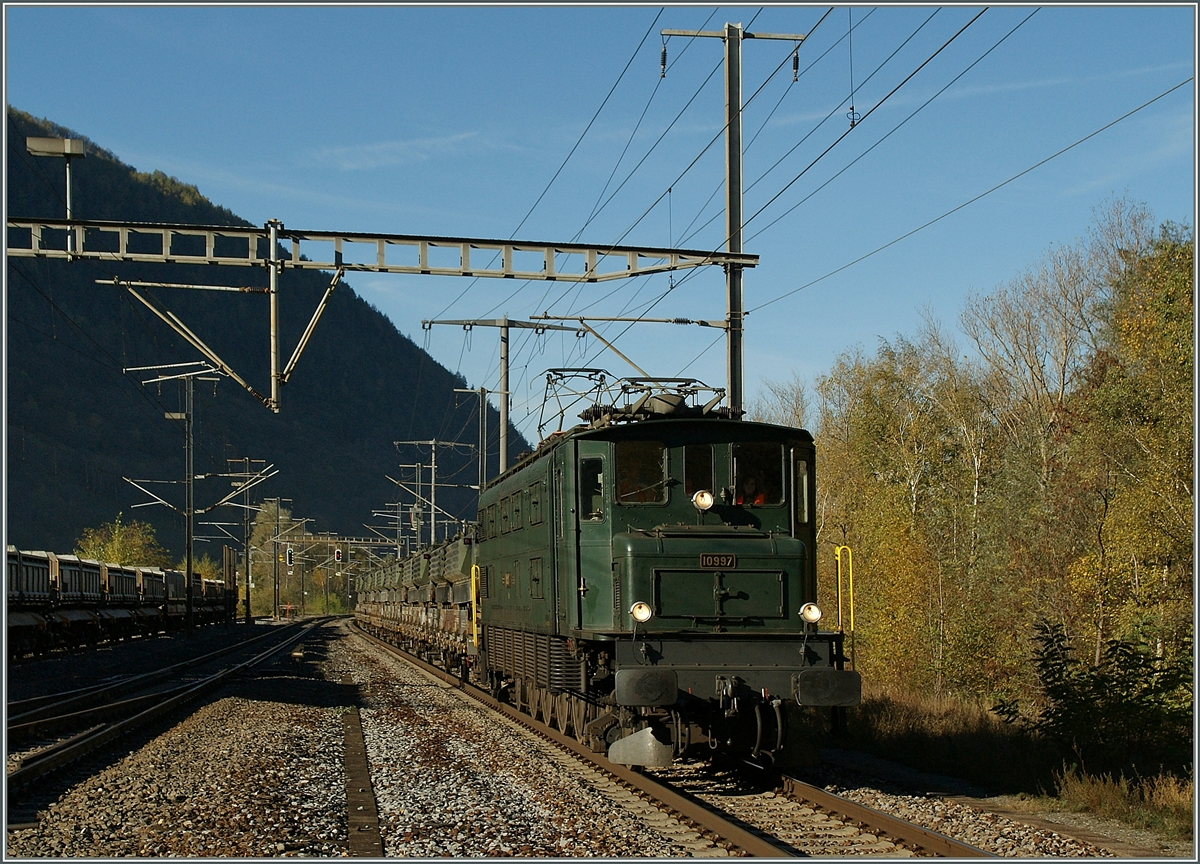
191,338
308,331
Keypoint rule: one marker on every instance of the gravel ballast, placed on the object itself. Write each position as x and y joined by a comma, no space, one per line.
259,771
238,778
453,779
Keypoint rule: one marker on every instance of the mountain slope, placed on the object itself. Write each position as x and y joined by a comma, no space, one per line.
77,424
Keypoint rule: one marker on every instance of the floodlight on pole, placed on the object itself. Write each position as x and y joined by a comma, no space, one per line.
67,148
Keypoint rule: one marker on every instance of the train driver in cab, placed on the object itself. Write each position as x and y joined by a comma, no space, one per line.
751,492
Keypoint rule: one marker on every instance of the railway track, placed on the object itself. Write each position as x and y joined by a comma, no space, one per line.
92,717
739,834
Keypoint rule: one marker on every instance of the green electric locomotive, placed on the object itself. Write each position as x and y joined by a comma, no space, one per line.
645,581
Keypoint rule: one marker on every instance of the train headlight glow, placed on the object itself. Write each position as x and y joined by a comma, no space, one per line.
641,612
703,500
810,612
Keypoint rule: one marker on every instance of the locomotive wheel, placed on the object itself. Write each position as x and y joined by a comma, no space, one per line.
562,712
580,715
534,694
545,706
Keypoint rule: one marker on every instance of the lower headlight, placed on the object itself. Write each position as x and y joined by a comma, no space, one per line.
810,612
641,612
703,500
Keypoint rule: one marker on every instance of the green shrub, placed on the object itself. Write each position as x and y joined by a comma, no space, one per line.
1131,714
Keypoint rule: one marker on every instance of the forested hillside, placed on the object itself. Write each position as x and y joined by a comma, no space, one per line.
1039,473
77,424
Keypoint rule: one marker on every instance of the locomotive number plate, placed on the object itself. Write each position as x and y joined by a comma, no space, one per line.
716,561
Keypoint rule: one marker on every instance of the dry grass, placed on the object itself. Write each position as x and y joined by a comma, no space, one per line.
949,735
961,738
1163,802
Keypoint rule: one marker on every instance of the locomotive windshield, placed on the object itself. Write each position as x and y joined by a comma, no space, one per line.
758,474
641,472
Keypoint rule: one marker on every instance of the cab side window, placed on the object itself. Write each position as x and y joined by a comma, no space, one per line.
801,492
591,490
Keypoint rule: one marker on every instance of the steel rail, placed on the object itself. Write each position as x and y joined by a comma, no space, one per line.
700,815
88,716
895,829
55,757
38,707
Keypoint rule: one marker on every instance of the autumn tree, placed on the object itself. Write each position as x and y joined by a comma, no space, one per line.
1046,477
205,565
1138,432
132,544
785,403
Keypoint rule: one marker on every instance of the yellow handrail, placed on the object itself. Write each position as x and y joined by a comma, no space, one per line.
475,604
837,556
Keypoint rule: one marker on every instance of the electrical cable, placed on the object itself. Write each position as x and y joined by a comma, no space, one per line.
684,234
953,210
844,134
870,111
711,345
697,158
824,120
597,207
637,126
688,275
612,89
896,127
576,288
113,365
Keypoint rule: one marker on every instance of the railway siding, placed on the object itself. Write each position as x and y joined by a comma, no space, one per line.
239,778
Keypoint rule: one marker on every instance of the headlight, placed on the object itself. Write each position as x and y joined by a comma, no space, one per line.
703,500
810,612
641,612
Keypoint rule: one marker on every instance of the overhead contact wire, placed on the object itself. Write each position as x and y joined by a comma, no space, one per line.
895,128
812,131
870,111
697,158
998,186
569,155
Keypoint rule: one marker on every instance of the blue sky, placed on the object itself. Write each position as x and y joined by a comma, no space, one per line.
452,120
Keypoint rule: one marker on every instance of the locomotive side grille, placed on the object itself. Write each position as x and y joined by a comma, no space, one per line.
617,606
566,672
541,647
542,658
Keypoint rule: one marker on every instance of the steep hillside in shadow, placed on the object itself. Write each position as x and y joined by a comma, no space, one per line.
77,424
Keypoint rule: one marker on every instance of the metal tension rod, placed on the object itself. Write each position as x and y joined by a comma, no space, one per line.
546,317
308,331
611,347
192,339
